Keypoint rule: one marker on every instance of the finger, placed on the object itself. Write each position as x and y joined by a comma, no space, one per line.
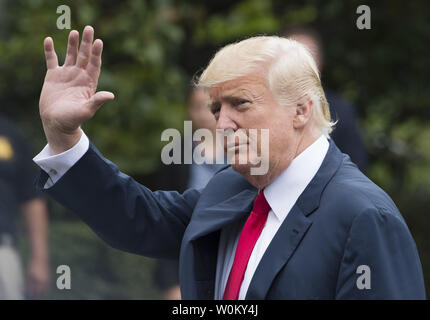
99,98
50,55
95,63
72,48
86,46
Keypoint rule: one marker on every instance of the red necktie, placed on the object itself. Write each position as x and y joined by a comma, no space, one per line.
248,237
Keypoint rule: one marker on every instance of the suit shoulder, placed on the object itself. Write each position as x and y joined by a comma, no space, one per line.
351,193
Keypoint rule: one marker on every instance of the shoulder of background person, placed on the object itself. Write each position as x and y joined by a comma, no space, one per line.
340,108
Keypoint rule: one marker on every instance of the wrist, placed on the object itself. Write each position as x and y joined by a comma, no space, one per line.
62,141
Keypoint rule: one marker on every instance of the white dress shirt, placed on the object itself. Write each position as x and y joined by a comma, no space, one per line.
281,195
57,165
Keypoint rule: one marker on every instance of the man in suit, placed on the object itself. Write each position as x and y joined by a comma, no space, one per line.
311,227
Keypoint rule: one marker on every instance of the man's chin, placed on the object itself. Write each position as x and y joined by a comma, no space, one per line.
258,181
243,169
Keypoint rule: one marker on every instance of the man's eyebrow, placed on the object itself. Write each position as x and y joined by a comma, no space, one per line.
230,97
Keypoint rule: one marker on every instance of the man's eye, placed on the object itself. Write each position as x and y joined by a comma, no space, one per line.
240,102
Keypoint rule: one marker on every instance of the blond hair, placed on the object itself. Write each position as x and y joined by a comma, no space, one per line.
289,68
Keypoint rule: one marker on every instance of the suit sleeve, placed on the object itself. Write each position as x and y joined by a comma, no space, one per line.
125,214
380,260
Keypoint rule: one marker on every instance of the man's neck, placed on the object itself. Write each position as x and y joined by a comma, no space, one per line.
284,162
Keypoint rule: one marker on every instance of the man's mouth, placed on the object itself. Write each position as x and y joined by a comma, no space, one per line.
235,145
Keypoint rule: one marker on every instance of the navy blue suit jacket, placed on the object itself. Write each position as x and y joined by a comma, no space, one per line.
341,221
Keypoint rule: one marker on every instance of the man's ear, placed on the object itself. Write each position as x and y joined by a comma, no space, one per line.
304,111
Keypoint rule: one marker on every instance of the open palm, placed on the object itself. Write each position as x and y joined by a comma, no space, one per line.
69,96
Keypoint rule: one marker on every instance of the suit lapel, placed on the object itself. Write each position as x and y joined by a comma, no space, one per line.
280,250
294,227
203,236
213,218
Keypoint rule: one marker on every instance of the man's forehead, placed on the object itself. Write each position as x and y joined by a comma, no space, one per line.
252,84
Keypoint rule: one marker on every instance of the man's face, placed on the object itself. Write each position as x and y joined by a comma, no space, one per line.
247,103
199,111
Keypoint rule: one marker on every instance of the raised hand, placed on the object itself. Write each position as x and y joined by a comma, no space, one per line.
69,96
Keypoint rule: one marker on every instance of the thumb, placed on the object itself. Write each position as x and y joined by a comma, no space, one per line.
99,98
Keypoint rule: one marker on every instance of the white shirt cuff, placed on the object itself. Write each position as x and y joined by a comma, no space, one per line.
57,165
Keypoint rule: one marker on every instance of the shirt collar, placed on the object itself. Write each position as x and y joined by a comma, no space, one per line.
283,192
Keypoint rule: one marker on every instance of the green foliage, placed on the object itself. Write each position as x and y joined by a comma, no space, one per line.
97,271
152,48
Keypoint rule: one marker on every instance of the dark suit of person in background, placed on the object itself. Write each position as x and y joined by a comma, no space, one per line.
325,231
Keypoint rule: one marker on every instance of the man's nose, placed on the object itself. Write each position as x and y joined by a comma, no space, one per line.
225,120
